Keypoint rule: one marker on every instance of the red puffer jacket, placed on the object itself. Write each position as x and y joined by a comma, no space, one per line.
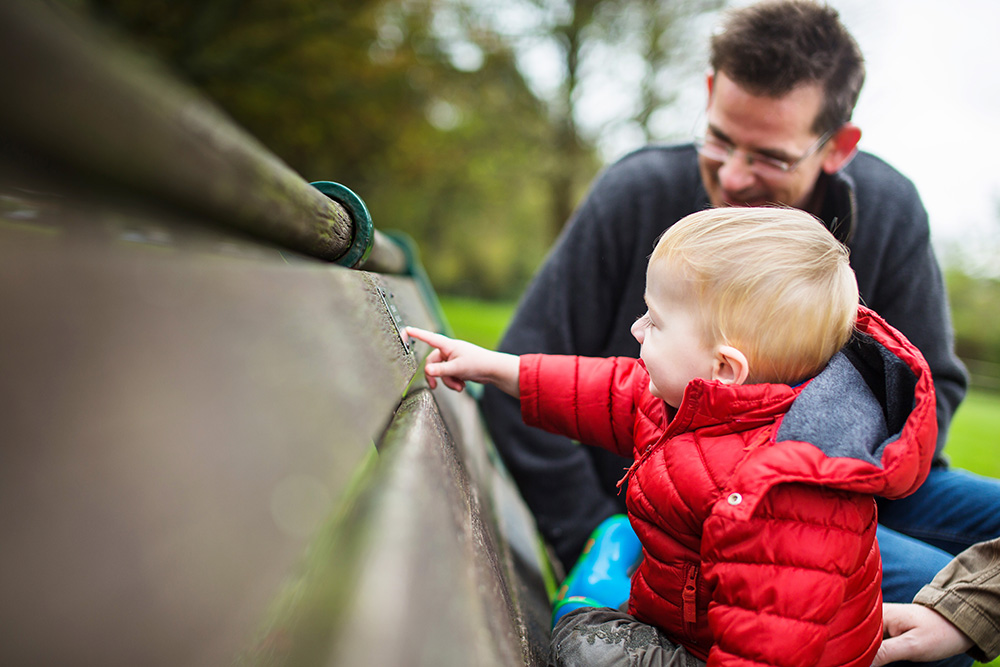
754,503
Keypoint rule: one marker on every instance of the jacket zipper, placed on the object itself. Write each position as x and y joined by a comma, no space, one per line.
676,425
689,598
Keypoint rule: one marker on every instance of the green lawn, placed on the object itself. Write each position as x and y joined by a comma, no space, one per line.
975,433
479,322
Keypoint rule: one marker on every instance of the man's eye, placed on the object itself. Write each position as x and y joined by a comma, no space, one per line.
771,160
721,144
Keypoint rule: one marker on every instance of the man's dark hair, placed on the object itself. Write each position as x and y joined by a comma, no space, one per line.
772,47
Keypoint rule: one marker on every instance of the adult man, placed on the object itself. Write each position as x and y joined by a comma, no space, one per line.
785,79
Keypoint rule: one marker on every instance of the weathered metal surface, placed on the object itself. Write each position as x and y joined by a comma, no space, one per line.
76,98
204,458
203,455
528,569
175,426
435,590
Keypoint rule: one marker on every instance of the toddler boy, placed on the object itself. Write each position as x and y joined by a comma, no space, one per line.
765,411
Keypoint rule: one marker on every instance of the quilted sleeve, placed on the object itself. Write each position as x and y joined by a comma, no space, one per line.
797,583
587,399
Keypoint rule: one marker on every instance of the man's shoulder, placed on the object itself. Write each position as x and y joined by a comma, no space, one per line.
870,172
886,202
662,172
657,160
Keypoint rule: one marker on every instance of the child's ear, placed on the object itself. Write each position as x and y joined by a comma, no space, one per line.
730,365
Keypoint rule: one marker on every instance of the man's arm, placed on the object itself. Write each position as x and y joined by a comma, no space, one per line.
557,478
582,302
958,611
920,634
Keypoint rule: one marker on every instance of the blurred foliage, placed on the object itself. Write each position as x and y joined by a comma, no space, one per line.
975,307
973,281
422,107
364,93
436,113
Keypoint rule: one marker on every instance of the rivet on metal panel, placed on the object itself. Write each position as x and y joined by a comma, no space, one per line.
397,319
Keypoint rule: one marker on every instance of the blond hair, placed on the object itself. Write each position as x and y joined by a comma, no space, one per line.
771,282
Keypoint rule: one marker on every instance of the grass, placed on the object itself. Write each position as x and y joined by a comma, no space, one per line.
479,322
972,441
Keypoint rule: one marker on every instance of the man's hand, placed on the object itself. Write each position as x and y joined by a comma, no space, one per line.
919,634
456,361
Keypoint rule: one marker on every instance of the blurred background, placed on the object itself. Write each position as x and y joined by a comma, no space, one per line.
475,126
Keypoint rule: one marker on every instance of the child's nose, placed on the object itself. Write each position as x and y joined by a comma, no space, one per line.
638,330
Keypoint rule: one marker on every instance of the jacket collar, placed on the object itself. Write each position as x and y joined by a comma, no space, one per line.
839,208
733,408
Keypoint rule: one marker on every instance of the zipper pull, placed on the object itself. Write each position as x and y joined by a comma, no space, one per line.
690,593
628,474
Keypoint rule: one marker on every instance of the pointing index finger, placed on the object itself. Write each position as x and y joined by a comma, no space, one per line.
429,337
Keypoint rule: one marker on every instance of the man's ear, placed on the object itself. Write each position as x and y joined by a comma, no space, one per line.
730,366
844,144
709,80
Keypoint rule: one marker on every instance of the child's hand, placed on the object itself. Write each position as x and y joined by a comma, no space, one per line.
447,360
456,361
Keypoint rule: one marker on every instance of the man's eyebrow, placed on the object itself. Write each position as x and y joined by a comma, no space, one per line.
719,134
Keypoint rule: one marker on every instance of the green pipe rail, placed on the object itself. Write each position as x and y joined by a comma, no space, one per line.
217,448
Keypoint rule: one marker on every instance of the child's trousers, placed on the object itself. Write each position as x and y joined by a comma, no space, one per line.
605,637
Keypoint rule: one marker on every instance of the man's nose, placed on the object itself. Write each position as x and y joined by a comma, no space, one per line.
735,174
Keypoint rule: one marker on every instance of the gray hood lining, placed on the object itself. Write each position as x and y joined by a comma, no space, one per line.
857,405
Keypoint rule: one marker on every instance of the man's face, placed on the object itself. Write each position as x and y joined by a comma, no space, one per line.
775,127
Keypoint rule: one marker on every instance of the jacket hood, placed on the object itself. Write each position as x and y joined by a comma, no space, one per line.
867,423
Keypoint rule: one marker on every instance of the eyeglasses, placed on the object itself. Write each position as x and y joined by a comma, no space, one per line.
719,150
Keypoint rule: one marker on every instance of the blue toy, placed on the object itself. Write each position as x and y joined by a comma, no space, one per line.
602,575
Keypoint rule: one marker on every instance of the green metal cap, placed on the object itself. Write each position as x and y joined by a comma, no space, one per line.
364,229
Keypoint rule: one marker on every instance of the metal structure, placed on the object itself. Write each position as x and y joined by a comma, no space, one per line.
216,448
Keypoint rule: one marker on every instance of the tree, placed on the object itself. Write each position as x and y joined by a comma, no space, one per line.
974,292
432,110
372,94
643,41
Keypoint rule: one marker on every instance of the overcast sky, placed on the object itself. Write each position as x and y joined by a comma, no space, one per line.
928,106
